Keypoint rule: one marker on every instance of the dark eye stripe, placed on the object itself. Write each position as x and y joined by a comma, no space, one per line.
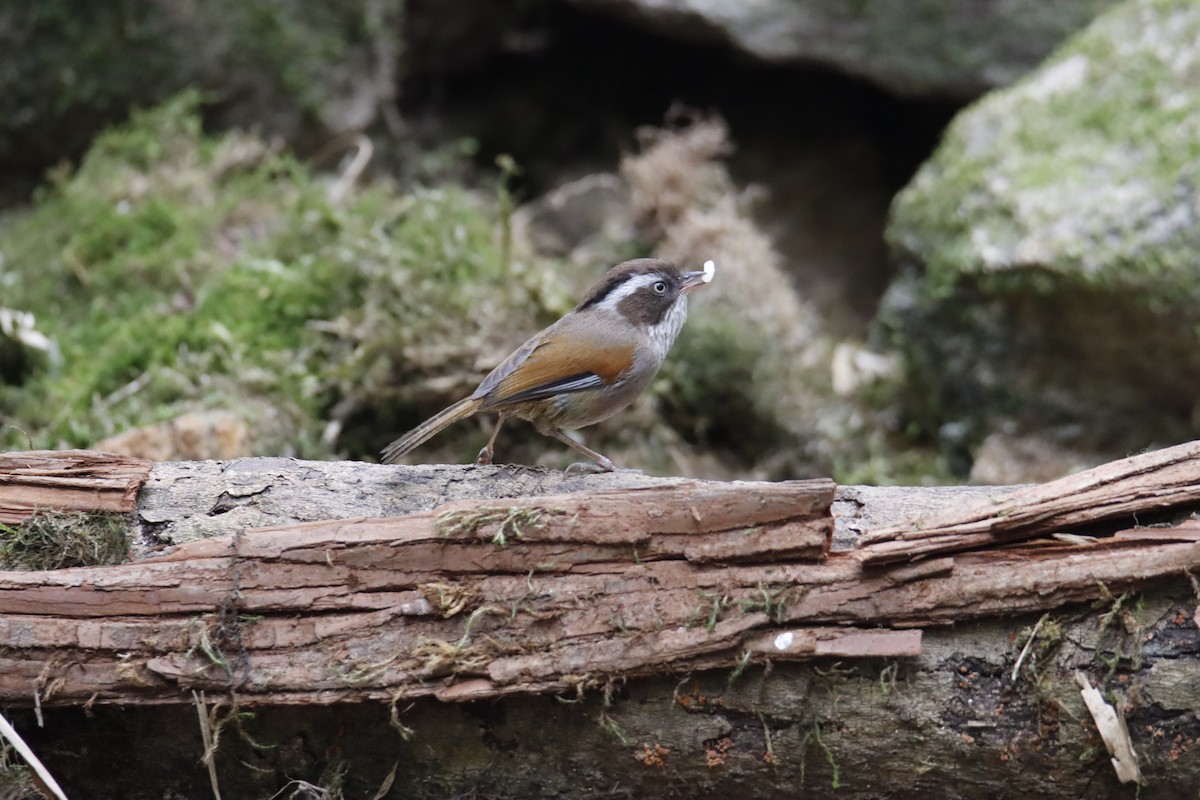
602,290
621,273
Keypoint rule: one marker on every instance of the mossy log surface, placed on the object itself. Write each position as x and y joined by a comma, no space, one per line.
615,634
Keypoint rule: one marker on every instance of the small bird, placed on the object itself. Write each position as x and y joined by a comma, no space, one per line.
587,366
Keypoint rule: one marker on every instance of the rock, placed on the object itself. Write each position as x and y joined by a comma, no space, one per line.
948,47
576,214
197,436
1048,250
1006,458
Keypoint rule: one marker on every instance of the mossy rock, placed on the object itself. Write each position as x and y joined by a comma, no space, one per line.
930,48
1048,250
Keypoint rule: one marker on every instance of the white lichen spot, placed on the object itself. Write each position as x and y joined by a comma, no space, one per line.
418,608
1065,76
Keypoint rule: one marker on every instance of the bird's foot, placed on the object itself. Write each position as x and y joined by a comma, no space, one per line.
485,457
598,468
586,468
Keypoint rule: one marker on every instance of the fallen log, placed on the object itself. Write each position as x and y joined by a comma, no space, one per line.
543,594
633,635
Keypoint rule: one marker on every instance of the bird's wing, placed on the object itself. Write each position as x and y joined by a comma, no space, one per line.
549,365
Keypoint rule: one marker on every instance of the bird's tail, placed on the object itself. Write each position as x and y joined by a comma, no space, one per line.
430,428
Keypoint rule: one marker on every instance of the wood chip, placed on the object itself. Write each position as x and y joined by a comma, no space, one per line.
1113,731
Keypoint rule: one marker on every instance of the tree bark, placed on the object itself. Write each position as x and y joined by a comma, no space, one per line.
75,480
612,634
1143,484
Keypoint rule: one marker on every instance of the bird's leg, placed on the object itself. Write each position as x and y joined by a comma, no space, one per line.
485,455
601,461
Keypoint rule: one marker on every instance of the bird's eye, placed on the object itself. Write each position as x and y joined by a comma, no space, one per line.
660,287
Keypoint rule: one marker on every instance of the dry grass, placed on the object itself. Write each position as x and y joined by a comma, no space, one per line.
61,539
686,202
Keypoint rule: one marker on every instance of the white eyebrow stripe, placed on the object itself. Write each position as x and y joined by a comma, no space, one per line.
614,298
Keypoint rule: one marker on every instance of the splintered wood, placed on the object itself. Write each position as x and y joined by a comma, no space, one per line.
1113,731
72,480
1142,484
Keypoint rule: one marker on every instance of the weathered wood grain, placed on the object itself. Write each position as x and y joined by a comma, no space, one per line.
545,592
69,480
520,596
1142,484
697,638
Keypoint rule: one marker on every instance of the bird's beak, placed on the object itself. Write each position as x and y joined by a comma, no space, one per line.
692,280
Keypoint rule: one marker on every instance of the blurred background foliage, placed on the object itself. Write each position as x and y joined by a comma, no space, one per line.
278,227
178,272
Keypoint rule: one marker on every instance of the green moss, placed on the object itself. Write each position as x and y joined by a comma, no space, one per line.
179,271
17,781
510,522
1050,251
889,461
1070,169
55,540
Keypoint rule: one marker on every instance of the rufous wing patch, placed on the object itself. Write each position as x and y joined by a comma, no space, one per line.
557,366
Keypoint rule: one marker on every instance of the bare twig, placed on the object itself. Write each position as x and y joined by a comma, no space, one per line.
1016,670
386,786
210,743
364,150
43,774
